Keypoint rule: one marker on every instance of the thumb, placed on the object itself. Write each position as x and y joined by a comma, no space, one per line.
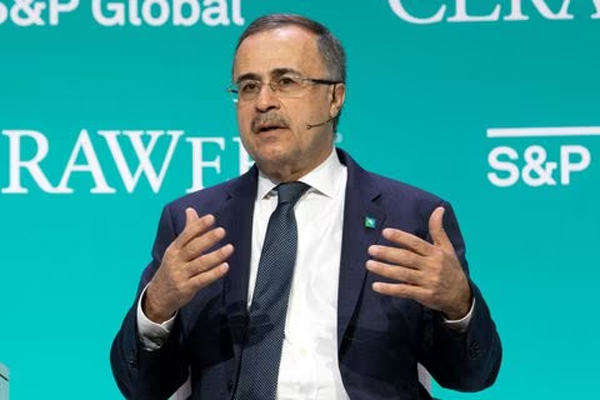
190,215
436,229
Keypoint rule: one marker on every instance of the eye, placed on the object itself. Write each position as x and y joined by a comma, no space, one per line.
287,83
249,86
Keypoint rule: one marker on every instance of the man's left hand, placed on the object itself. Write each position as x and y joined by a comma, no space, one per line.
429,273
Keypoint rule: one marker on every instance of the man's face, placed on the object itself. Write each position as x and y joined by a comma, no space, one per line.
274,129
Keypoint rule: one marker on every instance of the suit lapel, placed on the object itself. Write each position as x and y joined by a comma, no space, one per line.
236,217
358,235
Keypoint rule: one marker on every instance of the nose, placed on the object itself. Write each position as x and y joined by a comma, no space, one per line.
266,100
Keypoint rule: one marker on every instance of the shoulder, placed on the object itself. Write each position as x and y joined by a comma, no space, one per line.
401,191
385,189
405,201
212,199
205,198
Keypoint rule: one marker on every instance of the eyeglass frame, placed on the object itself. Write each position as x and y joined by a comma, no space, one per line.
274,85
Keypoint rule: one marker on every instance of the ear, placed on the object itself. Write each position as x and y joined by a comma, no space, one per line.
338,97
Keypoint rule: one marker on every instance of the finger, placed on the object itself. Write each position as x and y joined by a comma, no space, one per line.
412,242
193,228
190,215
195,247
394,255
395,272
403,290
209,260
437,231
204,279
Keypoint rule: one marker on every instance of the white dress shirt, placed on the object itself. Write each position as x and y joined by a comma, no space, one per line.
309,359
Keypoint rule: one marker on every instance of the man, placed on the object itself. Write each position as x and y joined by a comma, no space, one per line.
338,296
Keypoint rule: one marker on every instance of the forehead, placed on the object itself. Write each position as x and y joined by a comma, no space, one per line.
289,47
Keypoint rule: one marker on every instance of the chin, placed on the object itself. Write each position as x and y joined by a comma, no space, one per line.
274,159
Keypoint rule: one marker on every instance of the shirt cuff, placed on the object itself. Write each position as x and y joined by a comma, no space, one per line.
152,335
461,325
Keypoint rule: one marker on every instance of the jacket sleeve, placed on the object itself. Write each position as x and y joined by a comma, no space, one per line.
468,361
139,373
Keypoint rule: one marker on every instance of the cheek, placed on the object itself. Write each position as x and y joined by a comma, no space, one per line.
244,120
311,112
298,117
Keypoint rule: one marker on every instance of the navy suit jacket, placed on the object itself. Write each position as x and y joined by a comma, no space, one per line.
380,338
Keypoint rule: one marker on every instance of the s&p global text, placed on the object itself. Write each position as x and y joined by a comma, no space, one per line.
153,13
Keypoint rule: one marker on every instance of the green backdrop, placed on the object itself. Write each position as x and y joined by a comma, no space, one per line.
438,95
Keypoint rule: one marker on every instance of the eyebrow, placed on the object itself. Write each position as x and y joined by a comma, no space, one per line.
248,76
277,72
282,71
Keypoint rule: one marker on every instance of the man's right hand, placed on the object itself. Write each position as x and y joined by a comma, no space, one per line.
186,267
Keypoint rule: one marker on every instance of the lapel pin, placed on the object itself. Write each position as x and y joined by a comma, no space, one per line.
370,222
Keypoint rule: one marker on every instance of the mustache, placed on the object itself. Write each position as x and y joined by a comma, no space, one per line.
269,120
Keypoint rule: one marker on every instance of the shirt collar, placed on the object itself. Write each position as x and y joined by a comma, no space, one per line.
324,179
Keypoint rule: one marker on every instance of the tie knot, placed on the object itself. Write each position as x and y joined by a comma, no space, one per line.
290,192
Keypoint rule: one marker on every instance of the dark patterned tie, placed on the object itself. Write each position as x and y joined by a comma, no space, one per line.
259,368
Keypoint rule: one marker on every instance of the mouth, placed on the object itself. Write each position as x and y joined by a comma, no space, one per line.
269,128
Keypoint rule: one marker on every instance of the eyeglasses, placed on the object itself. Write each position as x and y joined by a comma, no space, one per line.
286,86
